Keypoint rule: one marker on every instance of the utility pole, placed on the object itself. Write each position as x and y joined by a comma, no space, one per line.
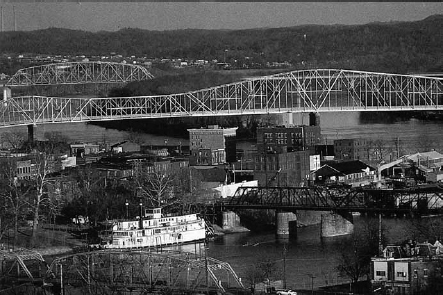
284,266
206,268
398,147
380,246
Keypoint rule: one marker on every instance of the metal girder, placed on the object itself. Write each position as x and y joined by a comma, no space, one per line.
21,264
109,272
417,200
79,73
297,91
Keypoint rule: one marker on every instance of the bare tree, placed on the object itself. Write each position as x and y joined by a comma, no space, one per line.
427,228
92,186
263,269
353,262
55,142
39,181
14,198
54,202
14,139
154,185
380,150
355,258
186,186
134,137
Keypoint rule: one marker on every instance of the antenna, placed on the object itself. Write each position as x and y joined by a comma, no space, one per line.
1,15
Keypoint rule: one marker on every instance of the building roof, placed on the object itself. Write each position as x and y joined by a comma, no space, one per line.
432,155
328,171
214,175
350,167
232,131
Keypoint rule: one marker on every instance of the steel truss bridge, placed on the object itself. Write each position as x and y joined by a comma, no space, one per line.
416,201
79,73
66,79
138,271
318,90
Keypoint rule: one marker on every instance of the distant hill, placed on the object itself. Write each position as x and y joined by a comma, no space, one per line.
391,47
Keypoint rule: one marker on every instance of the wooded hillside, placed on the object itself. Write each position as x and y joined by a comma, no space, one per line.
396,47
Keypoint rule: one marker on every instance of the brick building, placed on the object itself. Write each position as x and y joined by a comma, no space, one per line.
412,268
208,146
283,169
351,149
288,139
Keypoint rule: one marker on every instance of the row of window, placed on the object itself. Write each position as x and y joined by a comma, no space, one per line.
401,274
22,170
283,135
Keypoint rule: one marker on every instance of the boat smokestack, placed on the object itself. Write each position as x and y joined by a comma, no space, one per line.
140,222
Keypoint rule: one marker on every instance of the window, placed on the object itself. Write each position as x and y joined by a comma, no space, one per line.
380,273
425,272
401,274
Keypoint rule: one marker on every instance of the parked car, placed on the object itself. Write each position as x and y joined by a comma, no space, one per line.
286,292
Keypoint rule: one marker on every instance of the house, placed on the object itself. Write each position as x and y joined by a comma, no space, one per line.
409,268
354,173
426,166
125,147
79,150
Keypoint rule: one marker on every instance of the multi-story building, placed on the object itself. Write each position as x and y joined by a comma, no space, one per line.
413,268
351,149
288,139
208,145
286,154
282,169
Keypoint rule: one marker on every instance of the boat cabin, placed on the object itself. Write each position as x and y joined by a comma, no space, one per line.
152,213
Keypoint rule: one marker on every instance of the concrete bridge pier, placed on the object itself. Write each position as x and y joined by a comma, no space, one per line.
286,224
31,133
230,220
334,224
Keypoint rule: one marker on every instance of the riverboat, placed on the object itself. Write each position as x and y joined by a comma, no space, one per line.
153,230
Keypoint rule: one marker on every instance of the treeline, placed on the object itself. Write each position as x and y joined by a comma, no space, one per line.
392,117
170,84
177,127
391,47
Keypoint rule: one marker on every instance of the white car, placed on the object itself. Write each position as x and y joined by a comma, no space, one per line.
286,292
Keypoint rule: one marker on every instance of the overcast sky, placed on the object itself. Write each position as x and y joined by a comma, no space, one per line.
112,16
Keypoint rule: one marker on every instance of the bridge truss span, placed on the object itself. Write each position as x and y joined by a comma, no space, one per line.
297,91
418,200
141,271
79,73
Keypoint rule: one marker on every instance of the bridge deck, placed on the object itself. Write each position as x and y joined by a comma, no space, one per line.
319,90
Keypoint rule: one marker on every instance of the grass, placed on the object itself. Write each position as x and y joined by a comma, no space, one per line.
47,238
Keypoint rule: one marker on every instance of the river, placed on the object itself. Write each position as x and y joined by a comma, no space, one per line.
411,135
309,259
308,255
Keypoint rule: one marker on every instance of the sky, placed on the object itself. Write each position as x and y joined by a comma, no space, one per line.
112,16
